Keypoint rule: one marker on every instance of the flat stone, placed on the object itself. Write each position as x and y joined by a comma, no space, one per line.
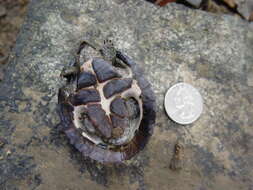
245,8
2,11
172,44
195,3
1,74
250,80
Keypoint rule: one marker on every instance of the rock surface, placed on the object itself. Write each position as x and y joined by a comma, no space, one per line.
245,7
172,44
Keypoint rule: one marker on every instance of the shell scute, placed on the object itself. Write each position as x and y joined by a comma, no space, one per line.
86,79
116,86
119,122
99,119
85,96
118,107
103,70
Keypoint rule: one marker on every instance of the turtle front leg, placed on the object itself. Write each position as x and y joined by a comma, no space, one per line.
127,60
69,71
118,63
72,69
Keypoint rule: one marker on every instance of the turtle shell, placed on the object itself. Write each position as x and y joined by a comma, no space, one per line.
110,115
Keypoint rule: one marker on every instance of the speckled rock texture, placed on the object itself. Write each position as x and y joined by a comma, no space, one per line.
245,7
172,44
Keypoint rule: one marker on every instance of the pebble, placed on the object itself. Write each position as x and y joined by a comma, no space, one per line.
3,11
2,142
1,78
195,3
245,8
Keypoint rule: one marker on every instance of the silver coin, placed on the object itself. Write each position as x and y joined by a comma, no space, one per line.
183,103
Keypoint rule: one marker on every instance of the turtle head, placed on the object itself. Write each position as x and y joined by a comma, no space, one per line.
108,50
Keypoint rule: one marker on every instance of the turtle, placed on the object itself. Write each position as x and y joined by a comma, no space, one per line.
106,106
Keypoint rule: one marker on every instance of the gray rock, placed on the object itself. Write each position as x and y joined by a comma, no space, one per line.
2,11
195,3
245,7
172,44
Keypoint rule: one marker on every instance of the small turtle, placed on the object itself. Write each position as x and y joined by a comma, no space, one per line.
107,107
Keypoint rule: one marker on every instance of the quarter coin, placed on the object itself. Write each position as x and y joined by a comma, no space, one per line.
183,103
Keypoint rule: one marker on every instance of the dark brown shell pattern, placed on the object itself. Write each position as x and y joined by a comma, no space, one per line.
110,116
